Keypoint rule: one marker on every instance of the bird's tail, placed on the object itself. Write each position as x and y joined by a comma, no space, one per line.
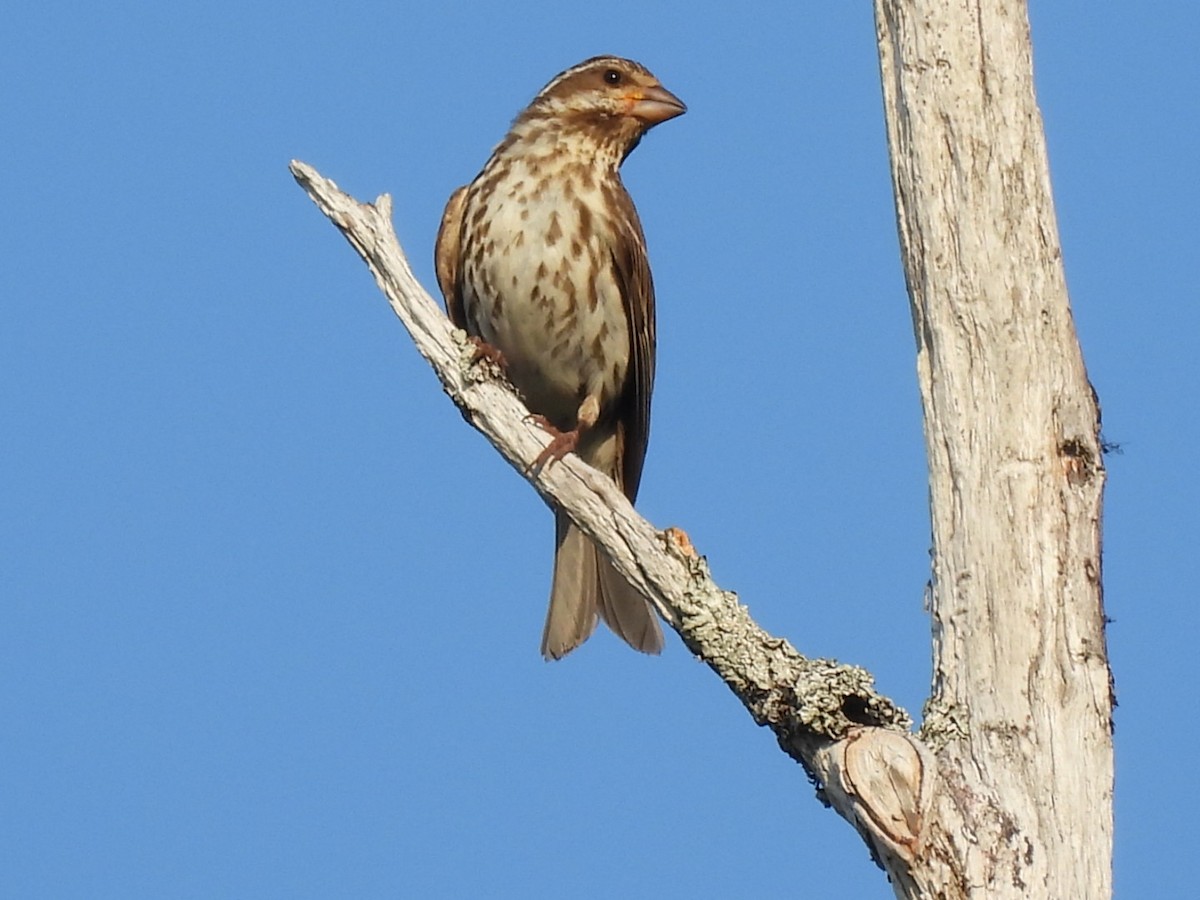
586,586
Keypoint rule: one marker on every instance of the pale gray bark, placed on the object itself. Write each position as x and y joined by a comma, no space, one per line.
1020,715
1007,789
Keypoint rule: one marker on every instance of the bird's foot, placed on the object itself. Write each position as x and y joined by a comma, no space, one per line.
490,352
561,443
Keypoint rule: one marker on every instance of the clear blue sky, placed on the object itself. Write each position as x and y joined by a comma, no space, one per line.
270,611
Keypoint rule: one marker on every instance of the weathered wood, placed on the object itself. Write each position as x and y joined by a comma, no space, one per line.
1021,709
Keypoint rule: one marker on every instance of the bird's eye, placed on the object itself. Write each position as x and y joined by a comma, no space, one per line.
612,76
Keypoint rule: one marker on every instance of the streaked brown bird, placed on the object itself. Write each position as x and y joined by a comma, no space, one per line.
542,258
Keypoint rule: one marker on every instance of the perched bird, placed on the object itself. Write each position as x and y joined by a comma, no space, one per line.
542,261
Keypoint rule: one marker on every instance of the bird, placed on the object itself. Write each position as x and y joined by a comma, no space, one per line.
542,261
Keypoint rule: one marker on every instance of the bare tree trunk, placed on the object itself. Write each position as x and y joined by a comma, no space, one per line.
1020,716
1007,789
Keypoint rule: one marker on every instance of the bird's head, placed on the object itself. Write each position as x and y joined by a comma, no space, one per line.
616,99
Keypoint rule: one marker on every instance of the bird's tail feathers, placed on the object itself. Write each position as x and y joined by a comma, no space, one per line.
586,586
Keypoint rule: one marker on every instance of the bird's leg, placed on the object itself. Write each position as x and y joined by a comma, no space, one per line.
564,442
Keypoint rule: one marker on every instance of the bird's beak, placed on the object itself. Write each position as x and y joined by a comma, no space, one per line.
654,104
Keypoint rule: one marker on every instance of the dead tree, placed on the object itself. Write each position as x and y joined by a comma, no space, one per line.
1006,789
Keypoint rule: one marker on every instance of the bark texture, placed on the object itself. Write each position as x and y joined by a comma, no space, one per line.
1020,713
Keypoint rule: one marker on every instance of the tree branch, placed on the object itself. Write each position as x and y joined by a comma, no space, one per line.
826,715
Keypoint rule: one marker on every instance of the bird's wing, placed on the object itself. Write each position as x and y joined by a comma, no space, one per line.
446,255
632,270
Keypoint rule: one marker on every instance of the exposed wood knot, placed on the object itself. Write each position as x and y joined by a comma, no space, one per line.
888,777
678,541
1078,461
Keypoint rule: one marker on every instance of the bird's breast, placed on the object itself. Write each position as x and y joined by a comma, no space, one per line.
539,284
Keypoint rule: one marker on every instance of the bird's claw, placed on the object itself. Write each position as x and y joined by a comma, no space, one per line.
490,352
561,443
